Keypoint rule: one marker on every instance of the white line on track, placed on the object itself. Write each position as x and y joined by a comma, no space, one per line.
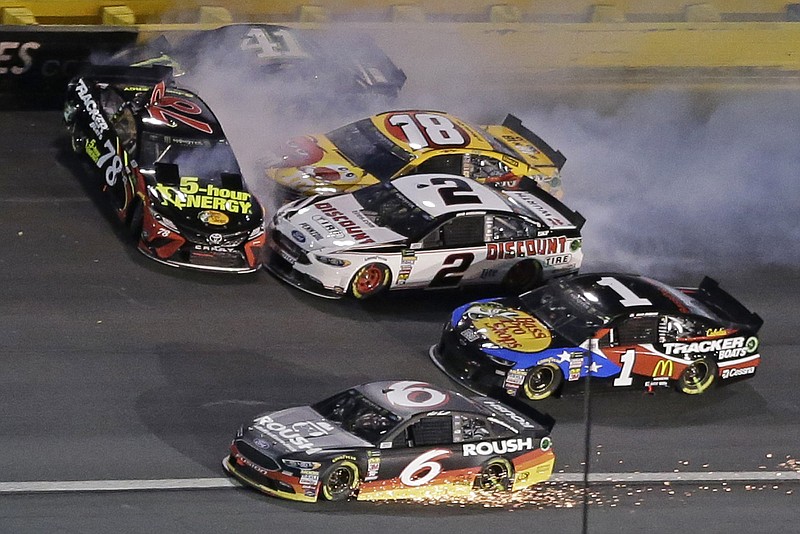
74,486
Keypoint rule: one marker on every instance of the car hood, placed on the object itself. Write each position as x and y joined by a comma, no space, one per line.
212,209
336,223
313,165
297,430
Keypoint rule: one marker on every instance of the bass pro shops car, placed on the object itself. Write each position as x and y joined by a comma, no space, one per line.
398,143
167,167
619,330
393,440
423,231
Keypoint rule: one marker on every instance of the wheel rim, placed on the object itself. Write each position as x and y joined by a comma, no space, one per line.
697,377
495,476
340,481
369,279
540,381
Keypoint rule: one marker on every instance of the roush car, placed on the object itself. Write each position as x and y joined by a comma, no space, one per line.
393,440
618,330
167,168
315,66
398,143
423,231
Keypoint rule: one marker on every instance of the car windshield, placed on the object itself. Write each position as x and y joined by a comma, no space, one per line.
567,310
364,145
387,207
358,415
205,158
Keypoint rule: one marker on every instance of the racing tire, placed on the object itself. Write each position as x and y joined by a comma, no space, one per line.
77,142
370,280
523,276
542,381
496,475
698,377
136,220
339,481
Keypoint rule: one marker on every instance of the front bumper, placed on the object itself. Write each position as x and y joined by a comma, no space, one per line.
467,365
280,258
272,482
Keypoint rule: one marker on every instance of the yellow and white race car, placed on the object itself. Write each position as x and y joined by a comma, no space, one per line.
399,143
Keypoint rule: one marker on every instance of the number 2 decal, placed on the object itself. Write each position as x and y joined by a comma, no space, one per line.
455,265
628,358
458,193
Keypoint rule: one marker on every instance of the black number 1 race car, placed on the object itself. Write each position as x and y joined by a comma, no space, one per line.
621,330
167,167
393,440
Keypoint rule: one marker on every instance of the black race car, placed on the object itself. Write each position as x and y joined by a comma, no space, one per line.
312,65
169,171
393,440
620,330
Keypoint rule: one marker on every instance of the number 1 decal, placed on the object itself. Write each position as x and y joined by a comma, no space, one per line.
628,358
627,297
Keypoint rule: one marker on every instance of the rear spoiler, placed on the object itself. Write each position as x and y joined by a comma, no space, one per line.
572,216
725,304
125,74
514,124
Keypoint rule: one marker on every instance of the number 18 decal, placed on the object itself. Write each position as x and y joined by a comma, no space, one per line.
426,129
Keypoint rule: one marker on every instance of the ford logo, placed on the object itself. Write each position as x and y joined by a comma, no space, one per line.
258,442
298,236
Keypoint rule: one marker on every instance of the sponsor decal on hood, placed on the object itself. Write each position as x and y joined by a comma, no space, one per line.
509,328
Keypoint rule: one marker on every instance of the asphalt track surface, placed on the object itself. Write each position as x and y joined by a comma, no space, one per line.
115,368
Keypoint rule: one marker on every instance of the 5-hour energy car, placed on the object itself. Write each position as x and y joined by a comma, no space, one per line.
619,330
169,172
398,143
393,440
423,231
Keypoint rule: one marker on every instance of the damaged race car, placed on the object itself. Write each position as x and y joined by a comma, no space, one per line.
617,330
315,66
425,231
398,143
167,168
393,440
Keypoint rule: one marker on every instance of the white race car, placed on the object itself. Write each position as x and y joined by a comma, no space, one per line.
423,231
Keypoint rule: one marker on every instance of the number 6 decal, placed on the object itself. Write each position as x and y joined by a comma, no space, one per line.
423,468
411,394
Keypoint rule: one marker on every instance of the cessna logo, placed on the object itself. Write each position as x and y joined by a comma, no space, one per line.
731,373
664,368
711,345
485,448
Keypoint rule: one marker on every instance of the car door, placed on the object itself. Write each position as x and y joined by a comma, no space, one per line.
449,252
630,345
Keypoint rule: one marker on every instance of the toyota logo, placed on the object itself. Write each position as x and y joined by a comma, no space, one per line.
215,239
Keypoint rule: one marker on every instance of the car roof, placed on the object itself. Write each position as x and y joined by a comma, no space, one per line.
408,398
418,189
647,295
475,138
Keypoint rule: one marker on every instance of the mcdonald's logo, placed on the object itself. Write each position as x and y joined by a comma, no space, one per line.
664,368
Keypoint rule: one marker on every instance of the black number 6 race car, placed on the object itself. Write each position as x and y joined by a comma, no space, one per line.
167,167
393,440
621,330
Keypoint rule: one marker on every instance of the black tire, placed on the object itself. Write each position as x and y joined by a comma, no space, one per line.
370,280
542,381
496,475
698,377
523,276
135,220
339,481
